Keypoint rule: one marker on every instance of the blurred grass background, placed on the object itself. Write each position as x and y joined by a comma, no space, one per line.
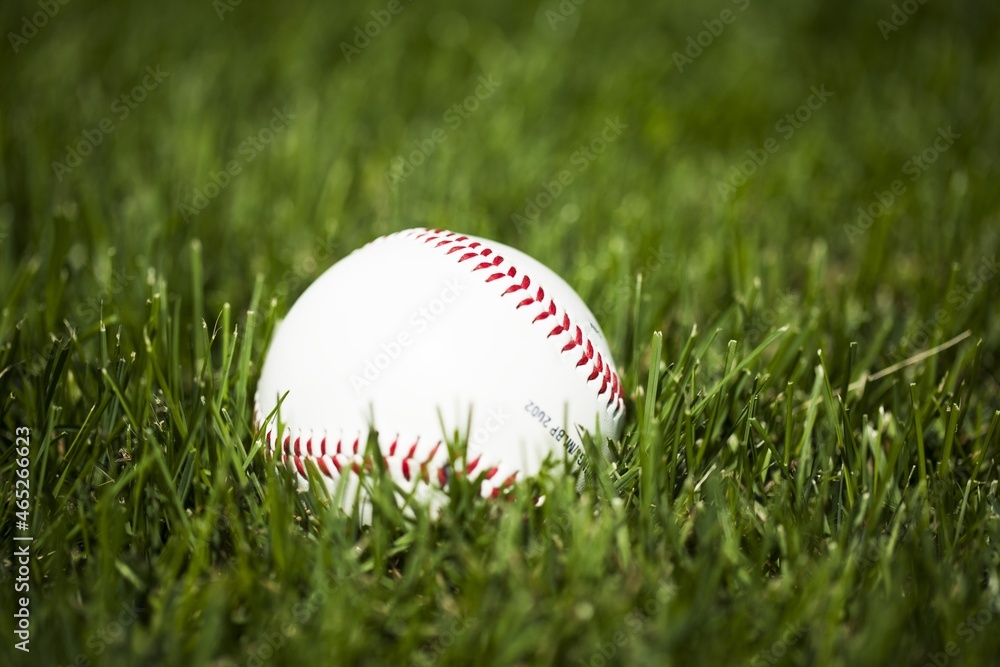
97,263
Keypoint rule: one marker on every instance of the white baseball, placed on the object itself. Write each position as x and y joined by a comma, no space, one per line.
426,334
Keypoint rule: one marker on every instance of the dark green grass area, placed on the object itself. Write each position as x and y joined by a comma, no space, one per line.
809,470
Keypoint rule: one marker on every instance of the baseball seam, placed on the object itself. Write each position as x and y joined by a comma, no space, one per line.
296,451
347,455
500,268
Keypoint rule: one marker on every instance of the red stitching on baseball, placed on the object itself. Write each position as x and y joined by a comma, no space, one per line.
291,451
610,381
321,464
546,313
598,368
515,287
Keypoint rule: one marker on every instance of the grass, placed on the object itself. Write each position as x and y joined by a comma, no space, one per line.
809,469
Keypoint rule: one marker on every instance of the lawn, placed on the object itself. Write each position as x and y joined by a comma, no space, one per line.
784,215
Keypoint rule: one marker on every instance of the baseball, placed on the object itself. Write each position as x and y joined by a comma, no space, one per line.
428,335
